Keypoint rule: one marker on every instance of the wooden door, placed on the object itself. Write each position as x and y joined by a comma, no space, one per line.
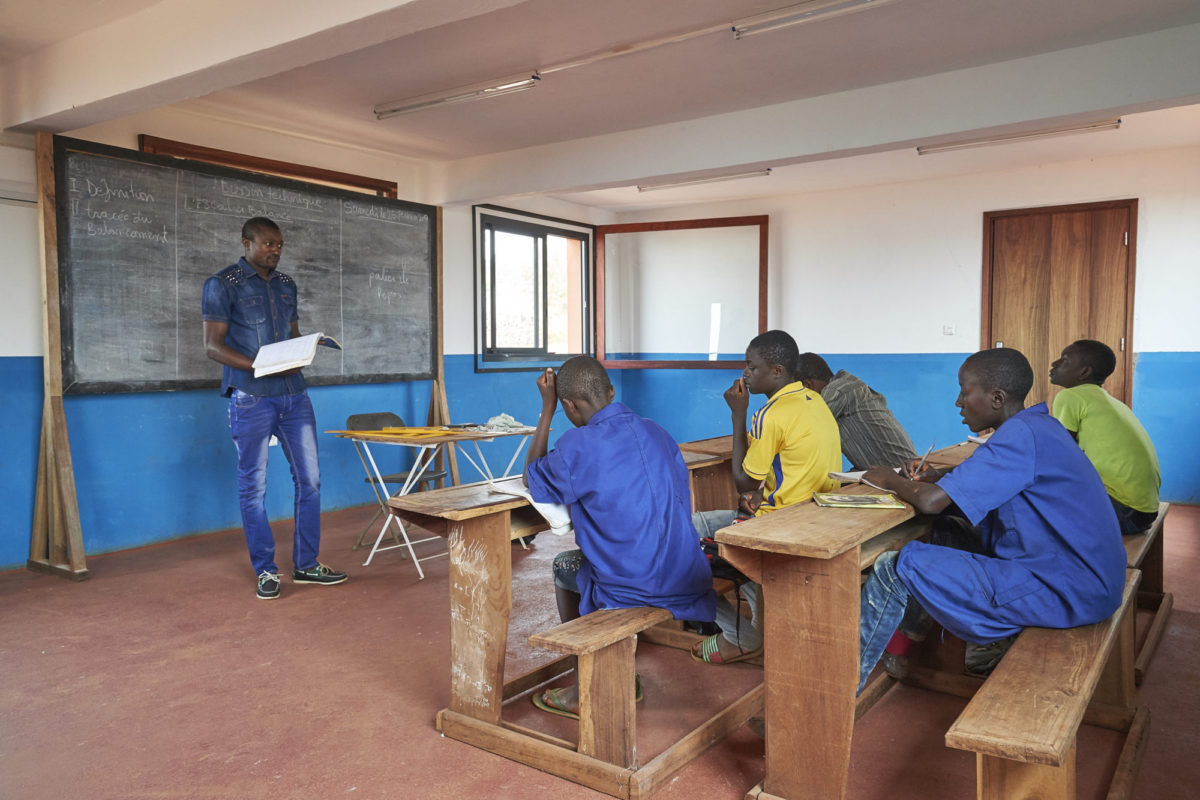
1055,275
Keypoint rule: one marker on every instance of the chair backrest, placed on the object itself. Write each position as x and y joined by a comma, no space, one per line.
374,421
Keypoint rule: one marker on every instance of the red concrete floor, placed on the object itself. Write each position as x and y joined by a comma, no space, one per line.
164,677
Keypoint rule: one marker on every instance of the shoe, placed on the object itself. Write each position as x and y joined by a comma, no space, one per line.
318,574
981,659
268,586
894,665
709,651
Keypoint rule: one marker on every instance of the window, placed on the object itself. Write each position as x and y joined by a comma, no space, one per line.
533,289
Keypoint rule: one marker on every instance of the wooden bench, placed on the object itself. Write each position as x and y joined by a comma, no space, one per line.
605,757
1144,551
1022,721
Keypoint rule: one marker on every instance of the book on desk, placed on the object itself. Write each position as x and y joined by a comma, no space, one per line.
836,500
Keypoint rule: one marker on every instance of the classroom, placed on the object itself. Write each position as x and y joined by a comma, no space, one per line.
639,113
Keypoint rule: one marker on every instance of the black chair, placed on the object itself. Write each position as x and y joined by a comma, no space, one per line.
376,421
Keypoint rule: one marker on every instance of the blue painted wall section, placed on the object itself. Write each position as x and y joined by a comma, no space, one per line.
920,390
20,428
1166,398
158,466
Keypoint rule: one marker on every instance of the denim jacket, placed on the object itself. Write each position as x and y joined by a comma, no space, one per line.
258,312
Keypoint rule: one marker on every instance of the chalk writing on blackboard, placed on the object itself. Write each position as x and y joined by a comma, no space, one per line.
138,234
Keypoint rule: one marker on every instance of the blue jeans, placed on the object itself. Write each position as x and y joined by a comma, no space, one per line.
252,421
881,608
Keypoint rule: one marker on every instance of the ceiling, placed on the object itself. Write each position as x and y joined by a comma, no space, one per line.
707,72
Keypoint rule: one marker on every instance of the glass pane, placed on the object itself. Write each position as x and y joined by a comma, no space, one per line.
487,286
515,290
564,308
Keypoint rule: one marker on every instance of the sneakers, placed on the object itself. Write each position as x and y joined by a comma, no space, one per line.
981,659
268,586
895,665
318,574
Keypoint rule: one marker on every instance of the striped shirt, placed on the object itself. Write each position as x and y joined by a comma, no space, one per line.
871,436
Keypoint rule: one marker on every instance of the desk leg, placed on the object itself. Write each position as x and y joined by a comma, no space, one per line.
480,606
810,613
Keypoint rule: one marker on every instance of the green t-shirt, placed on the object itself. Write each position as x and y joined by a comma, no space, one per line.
1114,441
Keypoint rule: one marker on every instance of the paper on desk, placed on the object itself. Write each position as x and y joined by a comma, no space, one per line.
856,477
978,438
558,515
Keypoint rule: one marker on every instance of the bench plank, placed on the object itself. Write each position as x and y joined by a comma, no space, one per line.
1144,551
598,630
1030,708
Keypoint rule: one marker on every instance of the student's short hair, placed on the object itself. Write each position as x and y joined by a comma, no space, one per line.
1098,356
583,378
777,347
1003,368
813,368
255,224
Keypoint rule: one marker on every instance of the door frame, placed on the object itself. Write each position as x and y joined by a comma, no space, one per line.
1131,204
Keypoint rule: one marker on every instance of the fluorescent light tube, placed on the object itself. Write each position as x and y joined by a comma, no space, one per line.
801,12
758,173
463,94
1067,130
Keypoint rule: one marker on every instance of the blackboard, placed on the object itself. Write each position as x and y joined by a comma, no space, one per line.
138,234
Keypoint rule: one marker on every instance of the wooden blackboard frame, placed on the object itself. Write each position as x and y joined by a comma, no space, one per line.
72,384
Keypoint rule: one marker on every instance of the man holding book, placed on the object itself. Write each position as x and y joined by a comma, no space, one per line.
245,306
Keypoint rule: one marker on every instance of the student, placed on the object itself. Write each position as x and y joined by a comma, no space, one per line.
627,488
1108,432
789,451
245,306
1046,550
871,436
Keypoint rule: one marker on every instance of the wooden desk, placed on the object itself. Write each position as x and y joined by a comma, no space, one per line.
809,559
478,524
953,455
711,481
716,446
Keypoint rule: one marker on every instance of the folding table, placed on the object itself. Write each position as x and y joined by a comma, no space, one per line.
426,442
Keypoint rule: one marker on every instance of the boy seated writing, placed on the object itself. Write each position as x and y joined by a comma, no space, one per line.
787,454
627,488
1107,432
1046,550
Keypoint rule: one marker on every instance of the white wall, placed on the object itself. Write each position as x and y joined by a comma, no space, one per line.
883,269
21,300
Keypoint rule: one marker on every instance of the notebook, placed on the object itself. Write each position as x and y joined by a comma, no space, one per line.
558,515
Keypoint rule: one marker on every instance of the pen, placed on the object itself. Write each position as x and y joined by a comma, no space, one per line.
921,466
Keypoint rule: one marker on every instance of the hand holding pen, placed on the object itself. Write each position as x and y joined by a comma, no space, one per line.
918,472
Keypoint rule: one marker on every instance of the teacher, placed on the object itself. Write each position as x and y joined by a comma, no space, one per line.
245,306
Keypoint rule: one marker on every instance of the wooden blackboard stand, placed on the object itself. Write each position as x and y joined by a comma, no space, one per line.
439,409
56,542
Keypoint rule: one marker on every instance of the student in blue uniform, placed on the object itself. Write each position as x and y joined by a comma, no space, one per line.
626,485
1045,549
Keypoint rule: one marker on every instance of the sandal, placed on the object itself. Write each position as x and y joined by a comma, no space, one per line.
709,651
551,699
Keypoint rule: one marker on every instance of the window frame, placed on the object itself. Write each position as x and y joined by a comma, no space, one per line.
488,357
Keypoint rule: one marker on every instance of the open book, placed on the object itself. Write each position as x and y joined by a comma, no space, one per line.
290,353
834,500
